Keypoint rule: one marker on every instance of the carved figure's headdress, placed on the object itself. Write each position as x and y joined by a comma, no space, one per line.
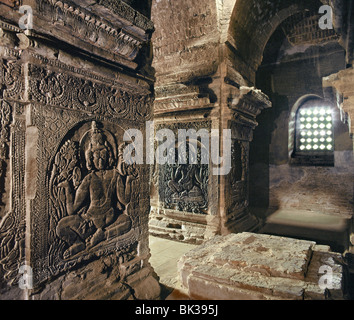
98,139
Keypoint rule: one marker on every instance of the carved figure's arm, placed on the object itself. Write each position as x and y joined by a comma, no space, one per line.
73,205
124,190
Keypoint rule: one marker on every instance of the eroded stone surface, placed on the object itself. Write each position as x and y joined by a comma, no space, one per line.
257,266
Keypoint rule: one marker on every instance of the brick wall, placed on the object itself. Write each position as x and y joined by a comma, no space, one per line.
186,39
323,189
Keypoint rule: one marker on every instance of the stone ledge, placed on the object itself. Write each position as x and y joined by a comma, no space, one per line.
261,267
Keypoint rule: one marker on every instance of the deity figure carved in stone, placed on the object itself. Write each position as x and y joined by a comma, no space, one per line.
105,193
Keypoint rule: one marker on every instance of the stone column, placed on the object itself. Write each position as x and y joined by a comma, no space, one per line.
199,87
242,109
74,215
341,88
184,202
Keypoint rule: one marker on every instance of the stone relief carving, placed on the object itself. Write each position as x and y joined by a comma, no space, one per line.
90,188
11,79
238,176
12,246
12,226
5,120
60,101
62,89
85,203
122,9
87,24
239,160
184,187
68,129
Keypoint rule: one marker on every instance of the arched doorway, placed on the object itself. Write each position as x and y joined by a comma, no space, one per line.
300,197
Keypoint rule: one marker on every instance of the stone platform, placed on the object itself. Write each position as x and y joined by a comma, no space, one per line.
315,226
249,266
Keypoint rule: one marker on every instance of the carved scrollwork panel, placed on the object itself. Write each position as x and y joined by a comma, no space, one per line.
67,91
78,120
11,79
12,225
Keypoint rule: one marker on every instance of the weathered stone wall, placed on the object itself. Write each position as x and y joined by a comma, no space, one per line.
186,41
319,189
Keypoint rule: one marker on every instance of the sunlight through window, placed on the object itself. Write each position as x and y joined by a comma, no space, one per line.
315,126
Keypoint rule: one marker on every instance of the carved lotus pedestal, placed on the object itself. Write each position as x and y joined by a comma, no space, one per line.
74,214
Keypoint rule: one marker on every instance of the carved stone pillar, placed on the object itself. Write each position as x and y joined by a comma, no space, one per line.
74,215
244,107
183,201
192,203
341,86
202,85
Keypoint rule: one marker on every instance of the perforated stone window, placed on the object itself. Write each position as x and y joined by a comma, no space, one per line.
313,134
315,128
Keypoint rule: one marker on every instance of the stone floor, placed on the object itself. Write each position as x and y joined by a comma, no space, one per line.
164,256
321,228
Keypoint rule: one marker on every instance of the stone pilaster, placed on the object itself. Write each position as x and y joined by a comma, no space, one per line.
243,108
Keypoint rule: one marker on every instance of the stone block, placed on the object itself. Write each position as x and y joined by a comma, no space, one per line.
248,266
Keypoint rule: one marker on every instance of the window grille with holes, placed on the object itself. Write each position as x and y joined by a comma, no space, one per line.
314,138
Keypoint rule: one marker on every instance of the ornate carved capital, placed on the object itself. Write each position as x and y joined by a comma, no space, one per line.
250,101
343,85
103,34
122,9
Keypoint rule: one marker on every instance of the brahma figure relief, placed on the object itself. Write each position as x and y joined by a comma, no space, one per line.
96,206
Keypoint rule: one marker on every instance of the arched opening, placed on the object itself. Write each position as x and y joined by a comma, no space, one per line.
252,23
300,198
